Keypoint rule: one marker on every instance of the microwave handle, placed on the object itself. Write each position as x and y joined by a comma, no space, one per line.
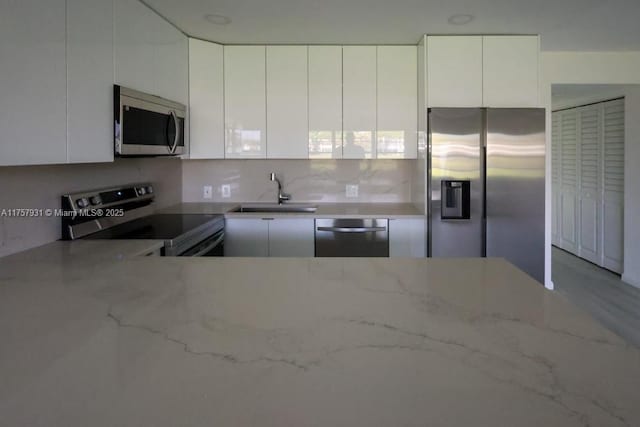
172,148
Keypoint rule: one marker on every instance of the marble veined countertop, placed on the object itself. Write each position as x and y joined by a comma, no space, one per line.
325,210
151,341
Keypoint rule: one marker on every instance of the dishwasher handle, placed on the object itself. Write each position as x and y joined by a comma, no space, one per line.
352,229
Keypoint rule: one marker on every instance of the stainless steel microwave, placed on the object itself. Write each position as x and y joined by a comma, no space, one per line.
147,125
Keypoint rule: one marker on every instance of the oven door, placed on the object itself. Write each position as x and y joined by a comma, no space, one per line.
148,126
211,246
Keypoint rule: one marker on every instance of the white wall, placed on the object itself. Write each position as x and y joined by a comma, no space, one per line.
40,187
600,68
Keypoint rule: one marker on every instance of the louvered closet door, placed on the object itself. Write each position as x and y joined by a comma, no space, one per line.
569,180
589,246
613,184
555,178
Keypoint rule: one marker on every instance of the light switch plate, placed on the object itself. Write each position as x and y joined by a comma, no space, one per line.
226,191
351,191
207,192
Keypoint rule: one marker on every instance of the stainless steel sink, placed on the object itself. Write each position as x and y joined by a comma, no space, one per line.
274,207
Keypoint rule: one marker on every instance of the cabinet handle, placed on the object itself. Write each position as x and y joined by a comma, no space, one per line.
352,229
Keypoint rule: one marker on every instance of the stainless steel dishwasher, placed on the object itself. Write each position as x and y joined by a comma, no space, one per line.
352,237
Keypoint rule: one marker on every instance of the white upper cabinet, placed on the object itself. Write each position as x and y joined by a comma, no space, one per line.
397,102
134,46
33,94
325,102
171,61
245,102
89,81
359,102
206,100
454,71
287,119
510,71
150,54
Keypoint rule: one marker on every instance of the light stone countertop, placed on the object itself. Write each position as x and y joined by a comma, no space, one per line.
151,341
80,252
325,210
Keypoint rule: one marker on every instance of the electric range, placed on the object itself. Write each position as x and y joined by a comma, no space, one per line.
127,212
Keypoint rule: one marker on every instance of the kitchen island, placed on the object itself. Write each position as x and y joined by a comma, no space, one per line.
117,339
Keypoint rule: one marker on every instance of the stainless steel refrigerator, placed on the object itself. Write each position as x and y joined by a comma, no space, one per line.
486,195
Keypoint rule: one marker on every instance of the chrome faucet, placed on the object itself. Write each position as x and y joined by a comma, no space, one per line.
282,197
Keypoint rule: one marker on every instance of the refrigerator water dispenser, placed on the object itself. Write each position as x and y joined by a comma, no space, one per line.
456,199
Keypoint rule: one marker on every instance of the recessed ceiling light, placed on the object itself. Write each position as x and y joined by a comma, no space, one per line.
217,19
460,19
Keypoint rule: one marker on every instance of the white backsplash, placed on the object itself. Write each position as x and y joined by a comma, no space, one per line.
40,187
379,181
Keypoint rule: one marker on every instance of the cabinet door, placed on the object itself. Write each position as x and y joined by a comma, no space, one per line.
245,102
407,238
613,135
206,100
359,102
134,45
454,71
569,181
397,102
510,71
246,237
287,119
589,243
291,237
89,81
325,102
171,71
33,113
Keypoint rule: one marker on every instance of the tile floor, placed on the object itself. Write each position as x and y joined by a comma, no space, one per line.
608,299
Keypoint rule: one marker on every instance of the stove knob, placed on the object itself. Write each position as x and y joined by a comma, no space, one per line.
141,191
149,189
95,200
82,203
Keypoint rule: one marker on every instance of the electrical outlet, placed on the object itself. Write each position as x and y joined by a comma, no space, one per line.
207,192
351,191
226,191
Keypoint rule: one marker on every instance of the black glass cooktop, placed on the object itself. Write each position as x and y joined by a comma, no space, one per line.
160,227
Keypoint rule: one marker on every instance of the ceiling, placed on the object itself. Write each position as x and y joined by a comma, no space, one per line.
587,25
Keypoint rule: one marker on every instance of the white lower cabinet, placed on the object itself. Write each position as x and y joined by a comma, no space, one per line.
246,237
273,237
291,237
407,238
